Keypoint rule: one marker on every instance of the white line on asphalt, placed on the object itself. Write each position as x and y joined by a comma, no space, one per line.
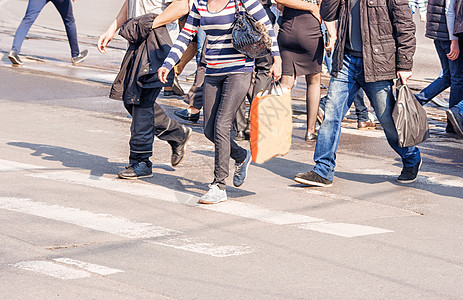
235,208
343,229
52,269
96,221
7,166
195,246
118,226
93,268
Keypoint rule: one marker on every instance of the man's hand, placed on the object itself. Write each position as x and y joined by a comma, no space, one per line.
330,45
404,76
105,38
162,74
454,50
275,70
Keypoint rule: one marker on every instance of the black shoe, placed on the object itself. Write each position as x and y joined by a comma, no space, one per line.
178,151
14,58
80,58
186,115
240,136
454,117
136,170
312,178
409,174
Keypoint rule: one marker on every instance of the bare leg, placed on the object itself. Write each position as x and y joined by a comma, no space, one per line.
312,99
287,81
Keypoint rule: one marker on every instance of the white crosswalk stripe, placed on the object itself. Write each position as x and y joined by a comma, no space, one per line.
119,226
230,207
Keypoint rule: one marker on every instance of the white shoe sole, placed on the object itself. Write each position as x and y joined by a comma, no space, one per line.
134,178
202,201
313,183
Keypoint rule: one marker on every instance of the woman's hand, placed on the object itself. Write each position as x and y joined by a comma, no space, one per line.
454,50
404,76
105,38
162,74
275,70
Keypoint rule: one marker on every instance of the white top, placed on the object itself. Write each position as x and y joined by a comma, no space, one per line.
137,8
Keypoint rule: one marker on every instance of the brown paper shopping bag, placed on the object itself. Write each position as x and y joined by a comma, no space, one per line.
271,124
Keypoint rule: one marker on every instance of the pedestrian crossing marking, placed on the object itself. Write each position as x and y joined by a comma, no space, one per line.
119,226
93,268
52,269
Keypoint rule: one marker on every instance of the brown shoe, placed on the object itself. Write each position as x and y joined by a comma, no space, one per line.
366,125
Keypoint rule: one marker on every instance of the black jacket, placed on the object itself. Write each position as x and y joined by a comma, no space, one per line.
436,24
139,69
388,36
458,29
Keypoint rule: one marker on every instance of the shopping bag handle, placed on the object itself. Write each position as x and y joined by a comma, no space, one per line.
272,85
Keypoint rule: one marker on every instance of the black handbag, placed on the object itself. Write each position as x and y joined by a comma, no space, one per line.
249,37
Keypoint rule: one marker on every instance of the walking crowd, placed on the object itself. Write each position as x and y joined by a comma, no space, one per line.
366,44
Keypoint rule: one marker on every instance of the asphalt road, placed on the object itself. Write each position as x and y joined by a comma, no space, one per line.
71,230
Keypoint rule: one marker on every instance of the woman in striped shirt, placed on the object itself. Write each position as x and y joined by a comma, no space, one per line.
228,77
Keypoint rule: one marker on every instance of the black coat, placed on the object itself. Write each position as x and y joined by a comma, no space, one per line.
146,53
388,36
458,29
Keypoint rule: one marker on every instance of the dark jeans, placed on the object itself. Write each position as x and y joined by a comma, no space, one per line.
361,110
223,96
34,8
262,67
452,76
349,80
149,120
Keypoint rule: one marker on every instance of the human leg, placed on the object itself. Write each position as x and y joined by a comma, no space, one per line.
312,100
337,103
380,95
34,7
64,8
223,96
442,82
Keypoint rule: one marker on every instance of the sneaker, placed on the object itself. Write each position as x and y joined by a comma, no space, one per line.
455,118
191,77
214,195
178,151
409,174
241,170
312,178
136,170
14,58
80,58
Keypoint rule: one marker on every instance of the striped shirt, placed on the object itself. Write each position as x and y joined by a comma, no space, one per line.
220,55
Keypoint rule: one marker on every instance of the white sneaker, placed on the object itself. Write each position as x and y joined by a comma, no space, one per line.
214,195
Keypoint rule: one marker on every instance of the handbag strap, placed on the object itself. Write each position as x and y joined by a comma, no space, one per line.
237,8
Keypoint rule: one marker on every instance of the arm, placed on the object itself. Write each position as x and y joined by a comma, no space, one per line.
174,11
182,42
450,16
329,10
302,5
256,9
404,34
106,37
331,28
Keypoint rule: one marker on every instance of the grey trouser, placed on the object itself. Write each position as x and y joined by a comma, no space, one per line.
223,96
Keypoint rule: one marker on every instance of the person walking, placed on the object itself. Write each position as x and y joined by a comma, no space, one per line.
301,44
148,117
440,27
34,7
227,80
369,53
421,4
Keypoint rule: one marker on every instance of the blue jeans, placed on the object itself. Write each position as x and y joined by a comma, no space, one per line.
34,8
350,79
201,39
452,76
460,107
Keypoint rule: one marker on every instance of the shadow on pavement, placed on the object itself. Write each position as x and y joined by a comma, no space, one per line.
99,165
